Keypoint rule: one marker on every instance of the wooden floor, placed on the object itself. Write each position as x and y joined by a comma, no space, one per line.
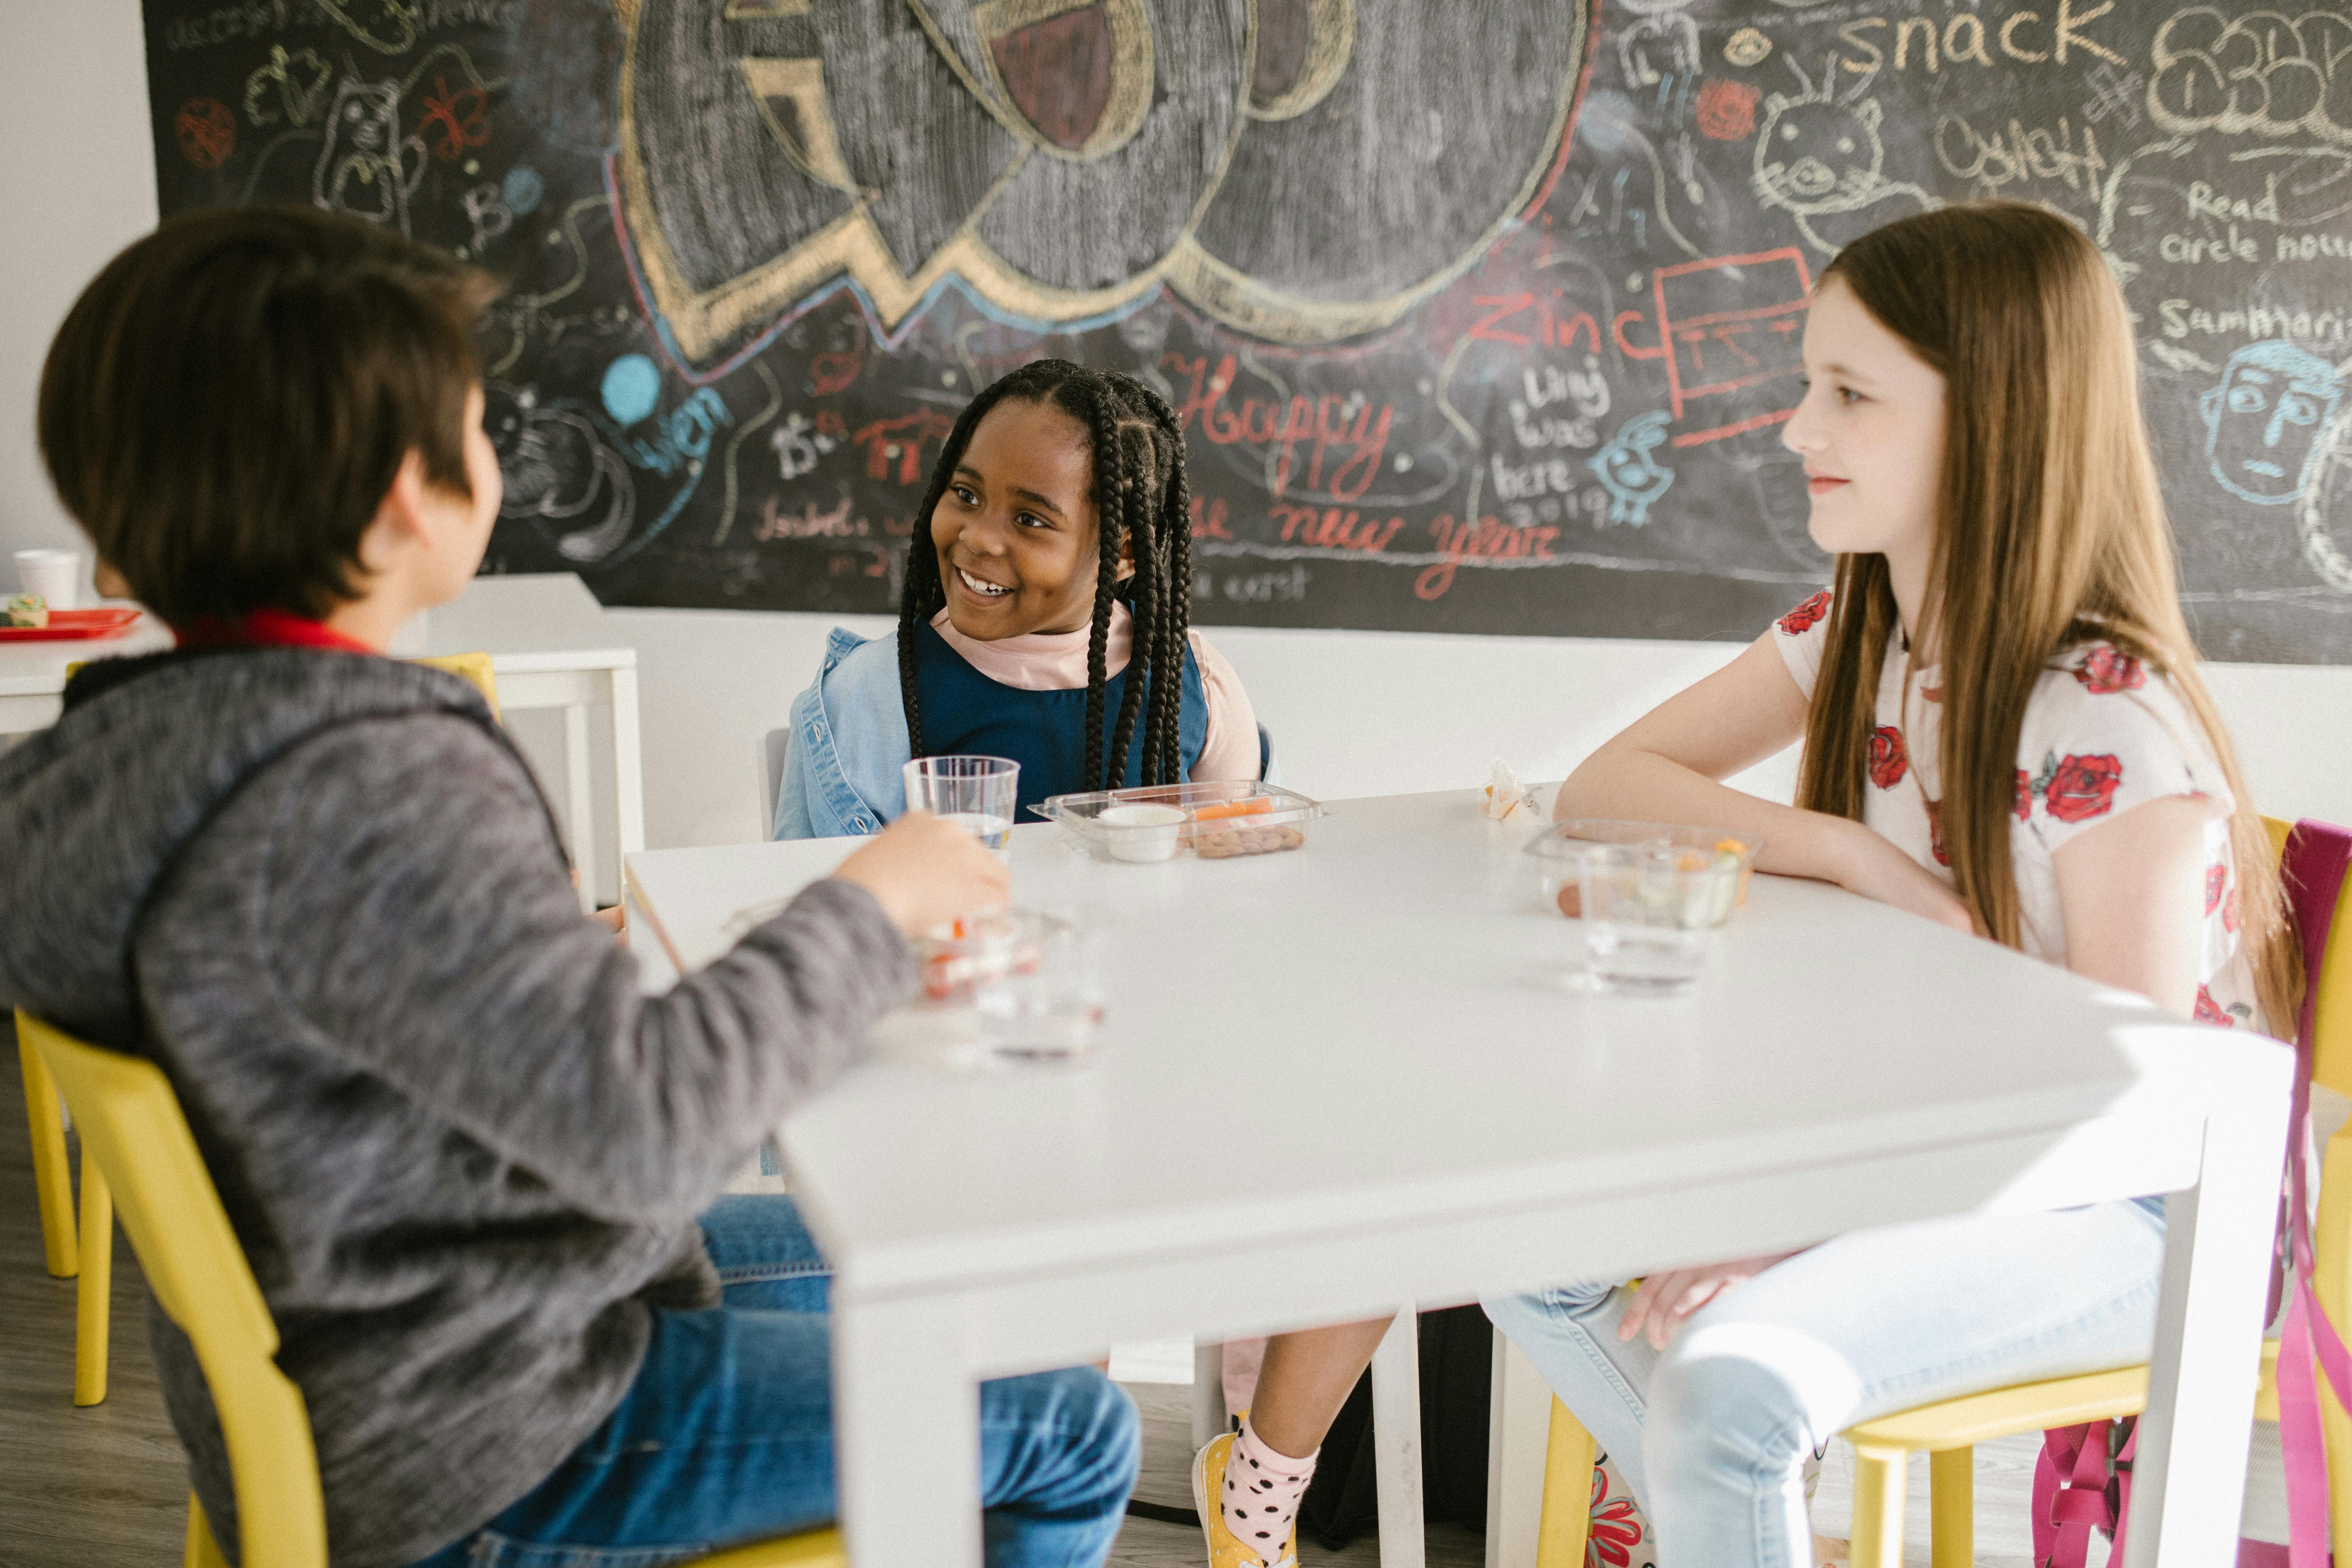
107,1485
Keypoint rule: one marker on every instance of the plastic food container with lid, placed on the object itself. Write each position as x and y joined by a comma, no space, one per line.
979,950
1213,820
1559,851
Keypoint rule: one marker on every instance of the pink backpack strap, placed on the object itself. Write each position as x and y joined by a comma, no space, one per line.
2316,857
2070,1484
2070,1494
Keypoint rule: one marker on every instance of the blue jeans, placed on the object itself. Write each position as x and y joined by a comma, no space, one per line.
726,1434
1712,1433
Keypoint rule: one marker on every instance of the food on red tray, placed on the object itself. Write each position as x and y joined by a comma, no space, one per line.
1235,841
1256,805
27,610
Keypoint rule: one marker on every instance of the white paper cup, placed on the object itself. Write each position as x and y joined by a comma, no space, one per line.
54,574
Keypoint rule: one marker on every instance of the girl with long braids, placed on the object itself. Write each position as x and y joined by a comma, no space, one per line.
1047,617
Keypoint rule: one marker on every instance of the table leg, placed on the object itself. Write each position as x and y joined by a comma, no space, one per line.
579,781
1396,1441
1518,1432
628,763
1209,1415
906,1437
2189,1478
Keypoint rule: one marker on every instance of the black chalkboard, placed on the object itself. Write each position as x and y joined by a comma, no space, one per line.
1482,314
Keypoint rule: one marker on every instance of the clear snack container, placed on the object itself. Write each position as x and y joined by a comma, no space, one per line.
1560,851
1214,820
962,956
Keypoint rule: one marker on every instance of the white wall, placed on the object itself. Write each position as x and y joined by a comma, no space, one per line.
1360,713
1351,712
78,186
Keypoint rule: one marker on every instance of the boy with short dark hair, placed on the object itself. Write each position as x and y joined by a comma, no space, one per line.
473,1170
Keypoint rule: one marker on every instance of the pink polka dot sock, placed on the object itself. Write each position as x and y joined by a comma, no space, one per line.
1262,1492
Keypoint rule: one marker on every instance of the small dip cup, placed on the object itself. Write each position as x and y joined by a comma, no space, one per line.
1141,834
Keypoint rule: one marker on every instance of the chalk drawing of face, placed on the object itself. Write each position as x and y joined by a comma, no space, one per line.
1815,156
2264,421
2324,513
1633,478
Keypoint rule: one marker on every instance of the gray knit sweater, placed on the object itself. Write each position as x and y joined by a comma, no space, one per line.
463,1153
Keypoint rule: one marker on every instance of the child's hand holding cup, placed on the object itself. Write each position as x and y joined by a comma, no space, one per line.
926,871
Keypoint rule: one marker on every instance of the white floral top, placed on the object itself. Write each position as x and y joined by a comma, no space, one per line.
2102,734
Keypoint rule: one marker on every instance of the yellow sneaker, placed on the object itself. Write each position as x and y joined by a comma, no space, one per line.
1227,1550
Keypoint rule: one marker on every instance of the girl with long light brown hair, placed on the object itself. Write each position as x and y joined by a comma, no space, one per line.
2004,731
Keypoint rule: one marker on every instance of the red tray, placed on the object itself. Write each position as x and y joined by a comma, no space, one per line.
74,626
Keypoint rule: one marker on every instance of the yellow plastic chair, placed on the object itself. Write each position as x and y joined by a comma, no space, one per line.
91,1250
1948,1432
473,667
135,1141
67,1251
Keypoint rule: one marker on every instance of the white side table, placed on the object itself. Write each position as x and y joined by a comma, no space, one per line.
547,644
33,674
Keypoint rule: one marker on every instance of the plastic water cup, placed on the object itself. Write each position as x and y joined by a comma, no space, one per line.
1650,912
978,794
54,574
1051,1011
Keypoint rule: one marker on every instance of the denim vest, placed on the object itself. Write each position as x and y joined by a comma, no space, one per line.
849,737
967,714
848,742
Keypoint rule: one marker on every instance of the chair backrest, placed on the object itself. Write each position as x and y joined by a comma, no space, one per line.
2331,1062
2331,1043
473,667
130,1124
773,747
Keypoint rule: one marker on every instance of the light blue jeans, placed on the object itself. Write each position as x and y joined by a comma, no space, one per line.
1712,1433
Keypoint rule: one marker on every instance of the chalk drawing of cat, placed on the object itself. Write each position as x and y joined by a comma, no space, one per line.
365,166
1815,157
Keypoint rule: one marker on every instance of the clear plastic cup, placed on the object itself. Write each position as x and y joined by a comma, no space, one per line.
1649,913
1049,1011
978,794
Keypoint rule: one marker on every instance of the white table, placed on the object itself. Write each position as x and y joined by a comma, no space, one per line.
1432,1114
550,649
33,674
547,648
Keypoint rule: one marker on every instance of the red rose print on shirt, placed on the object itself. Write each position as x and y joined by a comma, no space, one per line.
2229,912
1888,763
2081,788
1807,615
2209,1011
2216,878
1936,833
2107,669
2025,794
